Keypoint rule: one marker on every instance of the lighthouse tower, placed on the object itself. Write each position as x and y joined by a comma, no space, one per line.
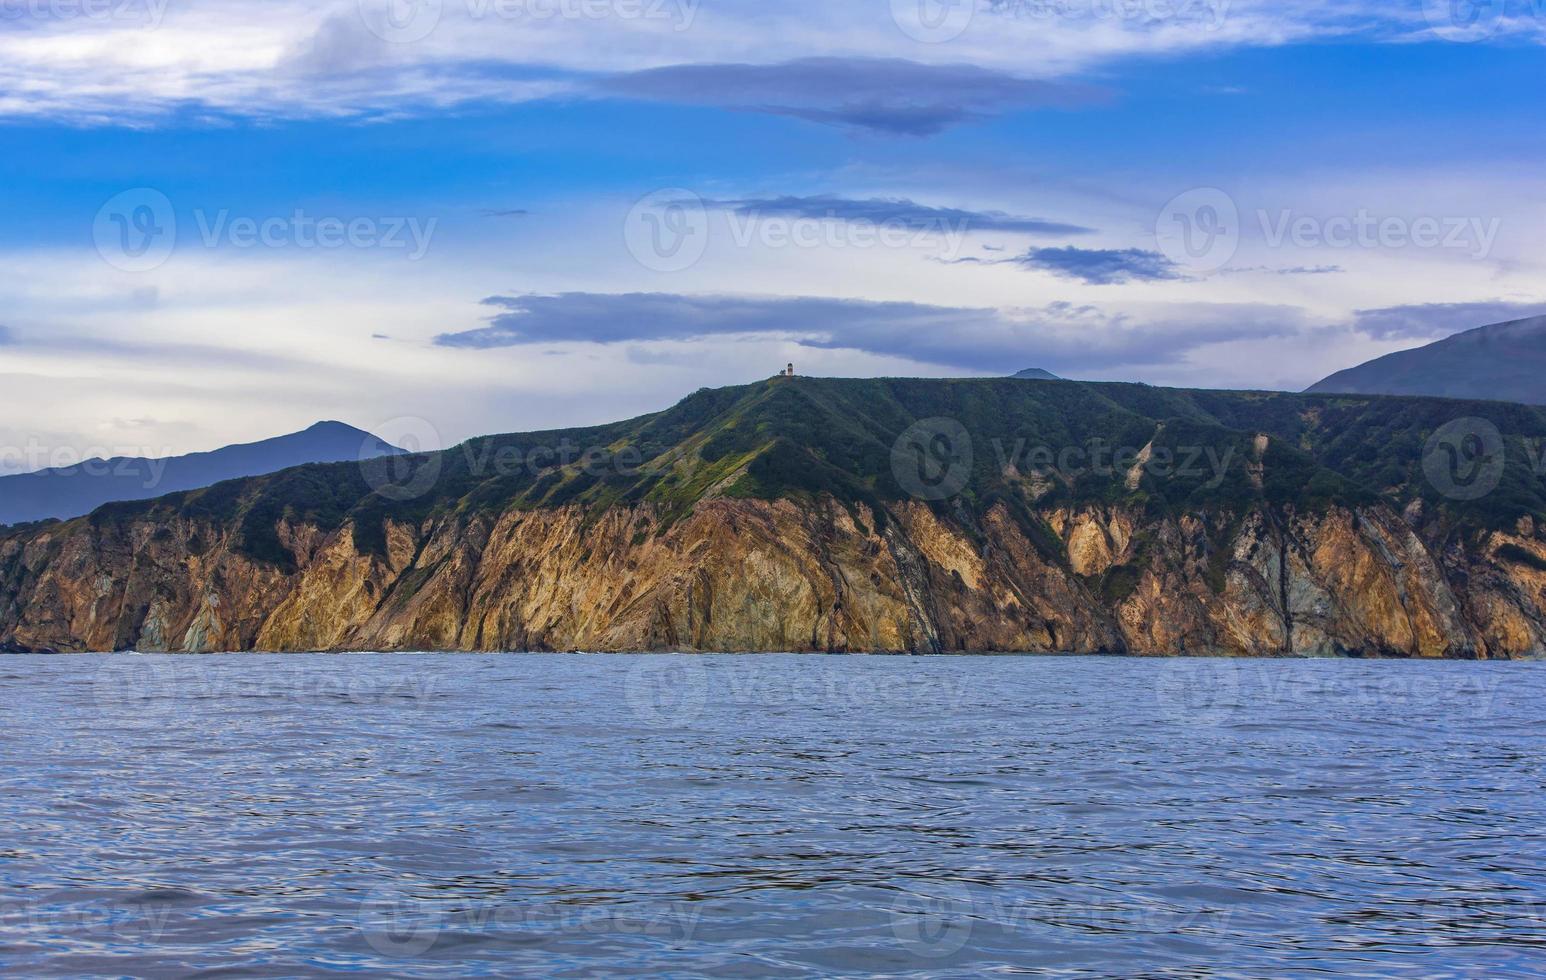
789,371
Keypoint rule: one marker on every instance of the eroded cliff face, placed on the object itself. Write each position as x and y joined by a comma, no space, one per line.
751,575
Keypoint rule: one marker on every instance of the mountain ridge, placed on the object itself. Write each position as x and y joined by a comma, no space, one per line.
60,493
1498,362
808,514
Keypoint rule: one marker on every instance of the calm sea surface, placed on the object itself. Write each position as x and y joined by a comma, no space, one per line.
770,816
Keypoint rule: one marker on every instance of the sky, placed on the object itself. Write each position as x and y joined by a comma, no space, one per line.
436,219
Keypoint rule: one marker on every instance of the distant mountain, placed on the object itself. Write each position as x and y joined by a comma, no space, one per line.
77,490
1037,374
1503,362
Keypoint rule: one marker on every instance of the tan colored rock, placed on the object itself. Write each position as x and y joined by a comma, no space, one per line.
750,575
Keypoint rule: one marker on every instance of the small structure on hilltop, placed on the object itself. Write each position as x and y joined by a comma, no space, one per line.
789,371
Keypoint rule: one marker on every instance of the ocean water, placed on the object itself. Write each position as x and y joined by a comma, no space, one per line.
770,816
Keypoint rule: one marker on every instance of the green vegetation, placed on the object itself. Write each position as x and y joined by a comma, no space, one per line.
1032,446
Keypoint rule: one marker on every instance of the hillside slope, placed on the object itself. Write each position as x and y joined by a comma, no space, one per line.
77,490
1504,362
879,515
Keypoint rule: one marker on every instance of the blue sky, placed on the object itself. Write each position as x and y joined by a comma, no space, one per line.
1013,184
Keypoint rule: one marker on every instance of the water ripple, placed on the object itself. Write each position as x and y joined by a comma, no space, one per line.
770,816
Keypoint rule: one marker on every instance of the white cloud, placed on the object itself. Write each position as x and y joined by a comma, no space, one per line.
321,57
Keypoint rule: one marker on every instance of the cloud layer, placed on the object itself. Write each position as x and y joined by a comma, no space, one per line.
887,95
898,212
1101,267
1058,336
815,60
1428,321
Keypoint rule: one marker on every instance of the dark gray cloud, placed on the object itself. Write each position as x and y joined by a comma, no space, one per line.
898,212
1432,320
1060,337
884,95
1101,267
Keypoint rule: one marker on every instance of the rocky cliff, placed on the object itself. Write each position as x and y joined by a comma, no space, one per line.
732,531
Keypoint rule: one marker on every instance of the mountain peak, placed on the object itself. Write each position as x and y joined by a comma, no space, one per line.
1037,374
1499,362
72,491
